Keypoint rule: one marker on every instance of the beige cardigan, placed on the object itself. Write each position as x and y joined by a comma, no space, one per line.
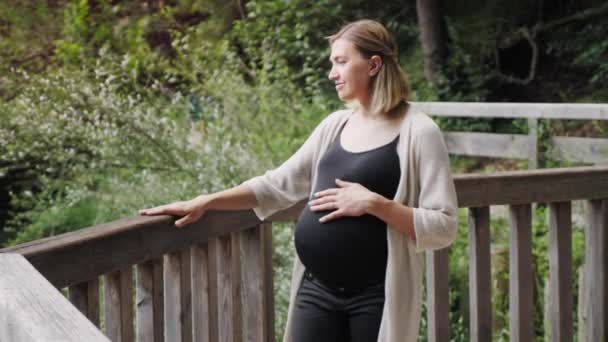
426,185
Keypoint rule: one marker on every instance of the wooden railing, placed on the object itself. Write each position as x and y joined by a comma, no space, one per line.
212,281
584,150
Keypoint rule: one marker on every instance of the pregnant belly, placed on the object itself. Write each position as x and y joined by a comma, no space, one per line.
347,251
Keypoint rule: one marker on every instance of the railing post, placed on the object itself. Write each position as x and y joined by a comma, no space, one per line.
255,289
173,297
560,271
228,283
520,274
150,301
532,143
118,292
85,296
480,291
204,293
596,268
438,295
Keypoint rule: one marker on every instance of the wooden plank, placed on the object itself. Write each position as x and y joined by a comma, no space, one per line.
186,296
438,307
173,298
580,150
597,262
118,307
487,144
149,314
85,296
253,289
32,309
158,299
521,327
532,143
560,271
268,248
532,186
480,290
204,307
83,254
228,282
515,110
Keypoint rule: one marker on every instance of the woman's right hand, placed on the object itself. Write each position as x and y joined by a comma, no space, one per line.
190,210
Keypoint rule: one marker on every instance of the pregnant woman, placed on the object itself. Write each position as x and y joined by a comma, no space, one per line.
380,192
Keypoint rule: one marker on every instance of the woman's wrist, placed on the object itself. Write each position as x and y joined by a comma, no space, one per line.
375,203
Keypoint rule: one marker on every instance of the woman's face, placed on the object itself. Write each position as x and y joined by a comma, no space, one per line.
350,71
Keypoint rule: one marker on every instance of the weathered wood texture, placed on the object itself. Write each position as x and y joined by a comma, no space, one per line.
516,110
204,295
255,288
173,297
32,309
572,149
85,296
597,267
532,186
560,271
521,327
480,290
487,144
580,150
438,295
118,308
83,253
149,302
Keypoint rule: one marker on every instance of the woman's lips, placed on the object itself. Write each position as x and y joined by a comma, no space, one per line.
339,86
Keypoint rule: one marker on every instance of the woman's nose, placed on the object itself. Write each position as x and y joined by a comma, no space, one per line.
332,75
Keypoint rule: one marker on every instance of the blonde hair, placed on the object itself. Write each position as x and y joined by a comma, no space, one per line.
389,86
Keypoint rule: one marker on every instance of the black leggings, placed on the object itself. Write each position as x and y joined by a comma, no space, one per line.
324,314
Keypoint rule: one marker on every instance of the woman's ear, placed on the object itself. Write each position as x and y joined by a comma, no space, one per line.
375,64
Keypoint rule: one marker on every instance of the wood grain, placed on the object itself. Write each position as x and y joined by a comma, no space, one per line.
438,295
480,290
560,271
521,325
576,111
597,266
118,305
35,310
85,297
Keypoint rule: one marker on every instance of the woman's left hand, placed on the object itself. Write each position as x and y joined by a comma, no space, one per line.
349,199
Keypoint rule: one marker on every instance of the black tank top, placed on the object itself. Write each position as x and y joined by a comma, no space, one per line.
349,252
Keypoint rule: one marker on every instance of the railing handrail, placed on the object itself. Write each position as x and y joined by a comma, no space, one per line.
578,111
84,255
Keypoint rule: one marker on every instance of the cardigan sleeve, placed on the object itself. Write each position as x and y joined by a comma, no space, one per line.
435,218
289,183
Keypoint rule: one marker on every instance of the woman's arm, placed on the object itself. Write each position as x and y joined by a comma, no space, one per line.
396,215
238,197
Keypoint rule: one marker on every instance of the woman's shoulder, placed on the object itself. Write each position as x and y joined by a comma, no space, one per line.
419,123
334,119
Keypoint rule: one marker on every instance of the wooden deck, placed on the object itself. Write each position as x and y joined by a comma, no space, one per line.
213,280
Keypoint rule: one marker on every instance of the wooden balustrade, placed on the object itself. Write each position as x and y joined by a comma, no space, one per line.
212,281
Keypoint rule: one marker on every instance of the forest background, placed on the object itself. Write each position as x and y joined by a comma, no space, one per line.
109,106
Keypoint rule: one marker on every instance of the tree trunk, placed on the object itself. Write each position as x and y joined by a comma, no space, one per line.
433,36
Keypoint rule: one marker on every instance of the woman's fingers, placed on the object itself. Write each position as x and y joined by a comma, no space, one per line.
333,215
183,221
186,220
168,209
324,206
331,191
324,199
